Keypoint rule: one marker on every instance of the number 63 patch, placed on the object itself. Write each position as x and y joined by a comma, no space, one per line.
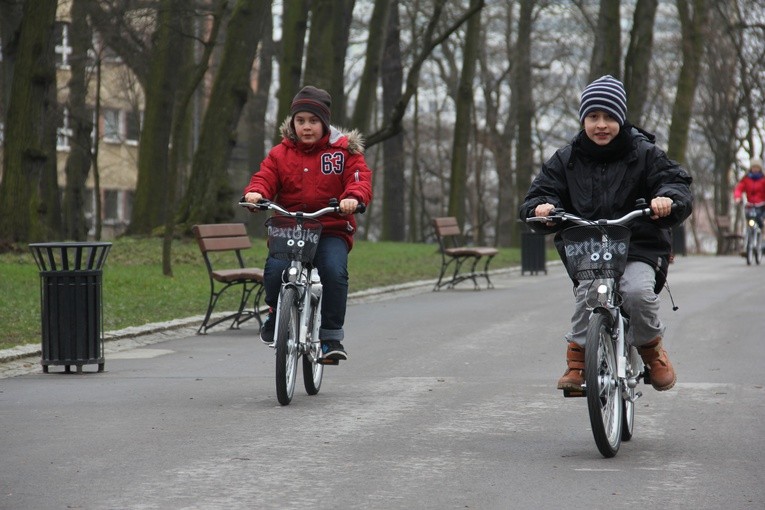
332,162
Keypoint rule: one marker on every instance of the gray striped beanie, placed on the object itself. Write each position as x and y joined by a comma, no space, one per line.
605,94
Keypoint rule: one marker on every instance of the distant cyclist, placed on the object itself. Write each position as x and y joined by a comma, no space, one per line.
753,186
603,171
314,163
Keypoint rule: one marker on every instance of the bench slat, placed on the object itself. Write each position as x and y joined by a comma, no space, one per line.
224,243
220,230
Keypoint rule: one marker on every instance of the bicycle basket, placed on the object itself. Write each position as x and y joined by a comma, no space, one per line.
595,251
293,239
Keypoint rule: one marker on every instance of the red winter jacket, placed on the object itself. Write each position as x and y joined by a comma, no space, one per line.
754,188
304,178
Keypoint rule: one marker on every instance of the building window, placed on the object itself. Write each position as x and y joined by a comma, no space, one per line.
111,206
132,126
111,127
63,49
63,132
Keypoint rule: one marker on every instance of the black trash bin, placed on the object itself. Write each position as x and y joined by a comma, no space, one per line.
678,240
70,303
533,255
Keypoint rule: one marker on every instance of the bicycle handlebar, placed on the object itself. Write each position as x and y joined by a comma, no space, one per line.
559,215
265,205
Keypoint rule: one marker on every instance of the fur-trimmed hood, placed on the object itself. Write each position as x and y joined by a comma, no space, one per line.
354,140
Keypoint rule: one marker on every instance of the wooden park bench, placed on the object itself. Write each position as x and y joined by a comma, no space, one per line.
222,245
732,242
455,252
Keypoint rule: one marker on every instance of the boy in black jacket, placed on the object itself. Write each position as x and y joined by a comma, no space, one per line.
606,168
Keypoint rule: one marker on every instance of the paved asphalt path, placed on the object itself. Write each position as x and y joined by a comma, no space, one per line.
448,402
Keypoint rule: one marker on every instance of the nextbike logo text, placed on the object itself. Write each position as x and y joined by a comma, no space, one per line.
596,250
294,235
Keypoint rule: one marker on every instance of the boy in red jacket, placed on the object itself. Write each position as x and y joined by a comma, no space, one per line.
753,186
314,163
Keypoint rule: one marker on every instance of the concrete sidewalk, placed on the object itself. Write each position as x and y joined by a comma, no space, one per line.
25,359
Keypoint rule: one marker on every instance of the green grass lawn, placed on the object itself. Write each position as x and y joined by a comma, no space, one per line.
136,293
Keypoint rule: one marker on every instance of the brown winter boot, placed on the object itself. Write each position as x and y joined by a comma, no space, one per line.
661,371
573,378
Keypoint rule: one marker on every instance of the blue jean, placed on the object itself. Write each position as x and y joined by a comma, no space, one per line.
641,303
331,260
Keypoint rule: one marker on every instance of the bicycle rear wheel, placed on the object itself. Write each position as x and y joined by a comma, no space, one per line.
313,371
604,397
286,346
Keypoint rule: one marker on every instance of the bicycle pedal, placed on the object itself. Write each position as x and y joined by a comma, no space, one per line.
573,393
325,361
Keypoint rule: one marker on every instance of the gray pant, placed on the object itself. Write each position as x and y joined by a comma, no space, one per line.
641,303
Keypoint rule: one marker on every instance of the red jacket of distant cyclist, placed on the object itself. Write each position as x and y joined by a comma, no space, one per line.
753,184
302,177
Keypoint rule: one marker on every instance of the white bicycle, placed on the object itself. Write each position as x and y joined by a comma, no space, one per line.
294,236
597,251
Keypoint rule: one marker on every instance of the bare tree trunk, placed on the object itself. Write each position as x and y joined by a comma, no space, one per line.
394,186
193,73
327,47
462,121
209,198
501,139
524,109
257,110
693,25
97,222
294,25
30,207
151,194
638,59
81,123
365,100
416,204
10,20
607,50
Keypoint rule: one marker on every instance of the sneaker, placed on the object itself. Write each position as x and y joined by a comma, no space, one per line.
267,329
333,350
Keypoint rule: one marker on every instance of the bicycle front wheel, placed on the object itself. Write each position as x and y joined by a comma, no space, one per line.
749,246
286,346
758,246
604,397
628,405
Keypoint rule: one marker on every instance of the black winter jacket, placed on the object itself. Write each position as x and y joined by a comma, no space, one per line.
580,185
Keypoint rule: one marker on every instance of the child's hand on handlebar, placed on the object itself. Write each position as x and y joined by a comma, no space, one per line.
661,207
253,197
348,205
544,210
